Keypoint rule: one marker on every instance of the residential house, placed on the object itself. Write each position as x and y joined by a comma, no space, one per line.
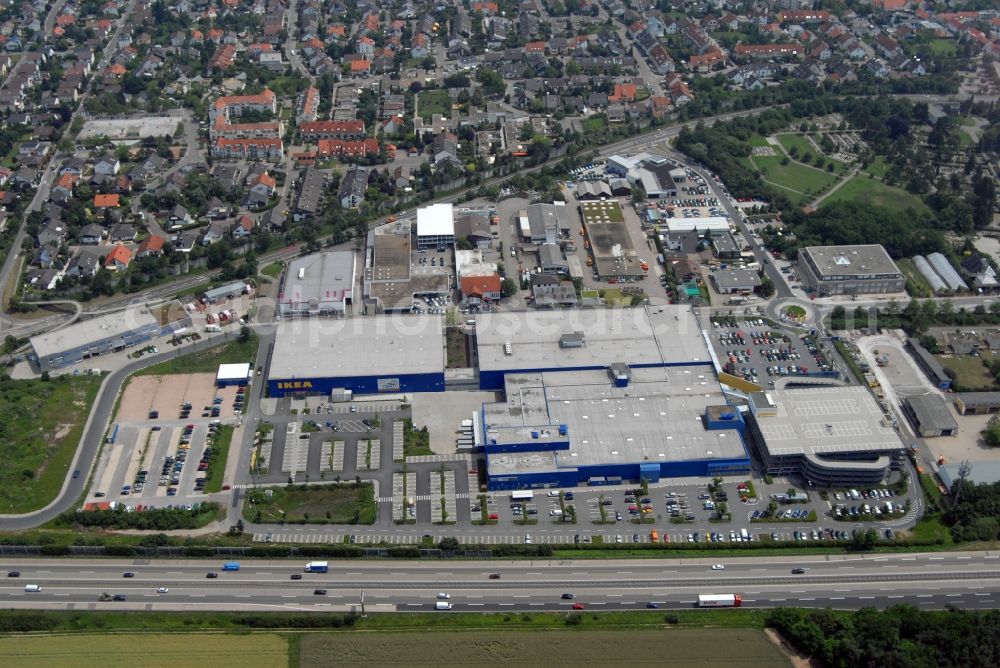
118,259
151,247
107,166
84,264
244,226
478,289
352,188
551,291
91,235
982,273
122,233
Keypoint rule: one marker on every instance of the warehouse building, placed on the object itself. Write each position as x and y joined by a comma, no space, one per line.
539,341
435,226
849,270
826,435
930,416
105,334
233,374
606,427
227,291
977,403
318,284
929,364
367,355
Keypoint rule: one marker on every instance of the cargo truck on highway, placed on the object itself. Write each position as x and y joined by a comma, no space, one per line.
719,600
317,567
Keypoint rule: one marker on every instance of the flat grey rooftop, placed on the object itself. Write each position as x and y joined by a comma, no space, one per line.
932,412
650,336
657,418
836,261
827,421
364,346
93,331
324,276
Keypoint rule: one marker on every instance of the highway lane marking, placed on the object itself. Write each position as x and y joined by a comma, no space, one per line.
477,604
532,573
615,595
926,602
896,596
598,603
198,595
935,558
983,594
952,595
243,596
841,590
963,557
623,572
521,596
778,600
287,596
807,599
836,598
866,597
923,595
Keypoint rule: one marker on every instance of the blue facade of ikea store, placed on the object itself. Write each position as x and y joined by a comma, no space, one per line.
716,418
384,383
616,474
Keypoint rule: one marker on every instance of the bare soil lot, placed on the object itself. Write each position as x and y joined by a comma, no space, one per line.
167,393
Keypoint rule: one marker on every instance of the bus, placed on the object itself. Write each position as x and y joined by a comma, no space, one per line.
523,495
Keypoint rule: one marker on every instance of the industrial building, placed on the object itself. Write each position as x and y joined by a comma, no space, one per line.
366,355
609,426
849,270
390,282
105,334
538,341
435,226
827,435
319,284
929,364
541,223
614,254
227,291
930,416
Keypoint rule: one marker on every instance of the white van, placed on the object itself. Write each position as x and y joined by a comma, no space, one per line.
442,605
32,588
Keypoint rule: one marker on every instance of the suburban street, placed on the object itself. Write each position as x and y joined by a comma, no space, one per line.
931,581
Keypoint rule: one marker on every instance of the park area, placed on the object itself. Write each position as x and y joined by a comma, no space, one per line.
800,183
871,192
673,647
146,650
336,503
41,422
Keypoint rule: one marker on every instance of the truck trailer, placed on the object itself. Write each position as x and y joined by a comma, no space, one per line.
317,567
719,600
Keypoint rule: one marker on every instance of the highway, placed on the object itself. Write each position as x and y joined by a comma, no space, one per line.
929,581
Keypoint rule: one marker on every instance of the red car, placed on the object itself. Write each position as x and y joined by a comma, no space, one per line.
494,516
578,606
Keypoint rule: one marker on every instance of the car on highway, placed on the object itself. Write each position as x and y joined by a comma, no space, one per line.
652,606
443,596
76,474
718,567
319,592
798,571
567,597
13,574
128,574
494,576
119,597
578,606
162,590
296,576
211,575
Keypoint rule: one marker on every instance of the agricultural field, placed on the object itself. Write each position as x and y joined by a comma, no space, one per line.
40,427
793,177
685,647
147,650
872,192
346,503
430,102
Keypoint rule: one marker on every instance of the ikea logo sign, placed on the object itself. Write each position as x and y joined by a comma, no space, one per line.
296,385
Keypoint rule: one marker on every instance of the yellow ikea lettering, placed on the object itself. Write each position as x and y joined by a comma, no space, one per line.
296,385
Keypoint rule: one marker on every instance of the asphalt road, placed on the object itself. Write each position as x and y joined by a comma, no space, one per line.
93,435
967,580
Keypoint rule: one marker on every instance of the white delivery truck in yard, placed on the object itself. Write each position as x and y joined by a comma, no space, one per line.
317,567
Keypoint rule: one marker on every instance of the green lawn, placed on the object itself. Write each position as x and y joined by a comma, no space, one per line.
965,139
430,102
970,372
273,270
757,140
878,167
793,176
339,503
593,124
416,441
217,464
872,192
942,47
206,359
798,141
40,427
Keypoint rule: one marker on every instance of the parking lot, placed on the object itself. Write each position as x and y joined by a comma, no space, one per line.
760,352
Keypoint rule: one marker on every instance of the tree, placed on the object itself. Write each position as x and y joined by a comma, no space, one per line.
508,287
449,544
